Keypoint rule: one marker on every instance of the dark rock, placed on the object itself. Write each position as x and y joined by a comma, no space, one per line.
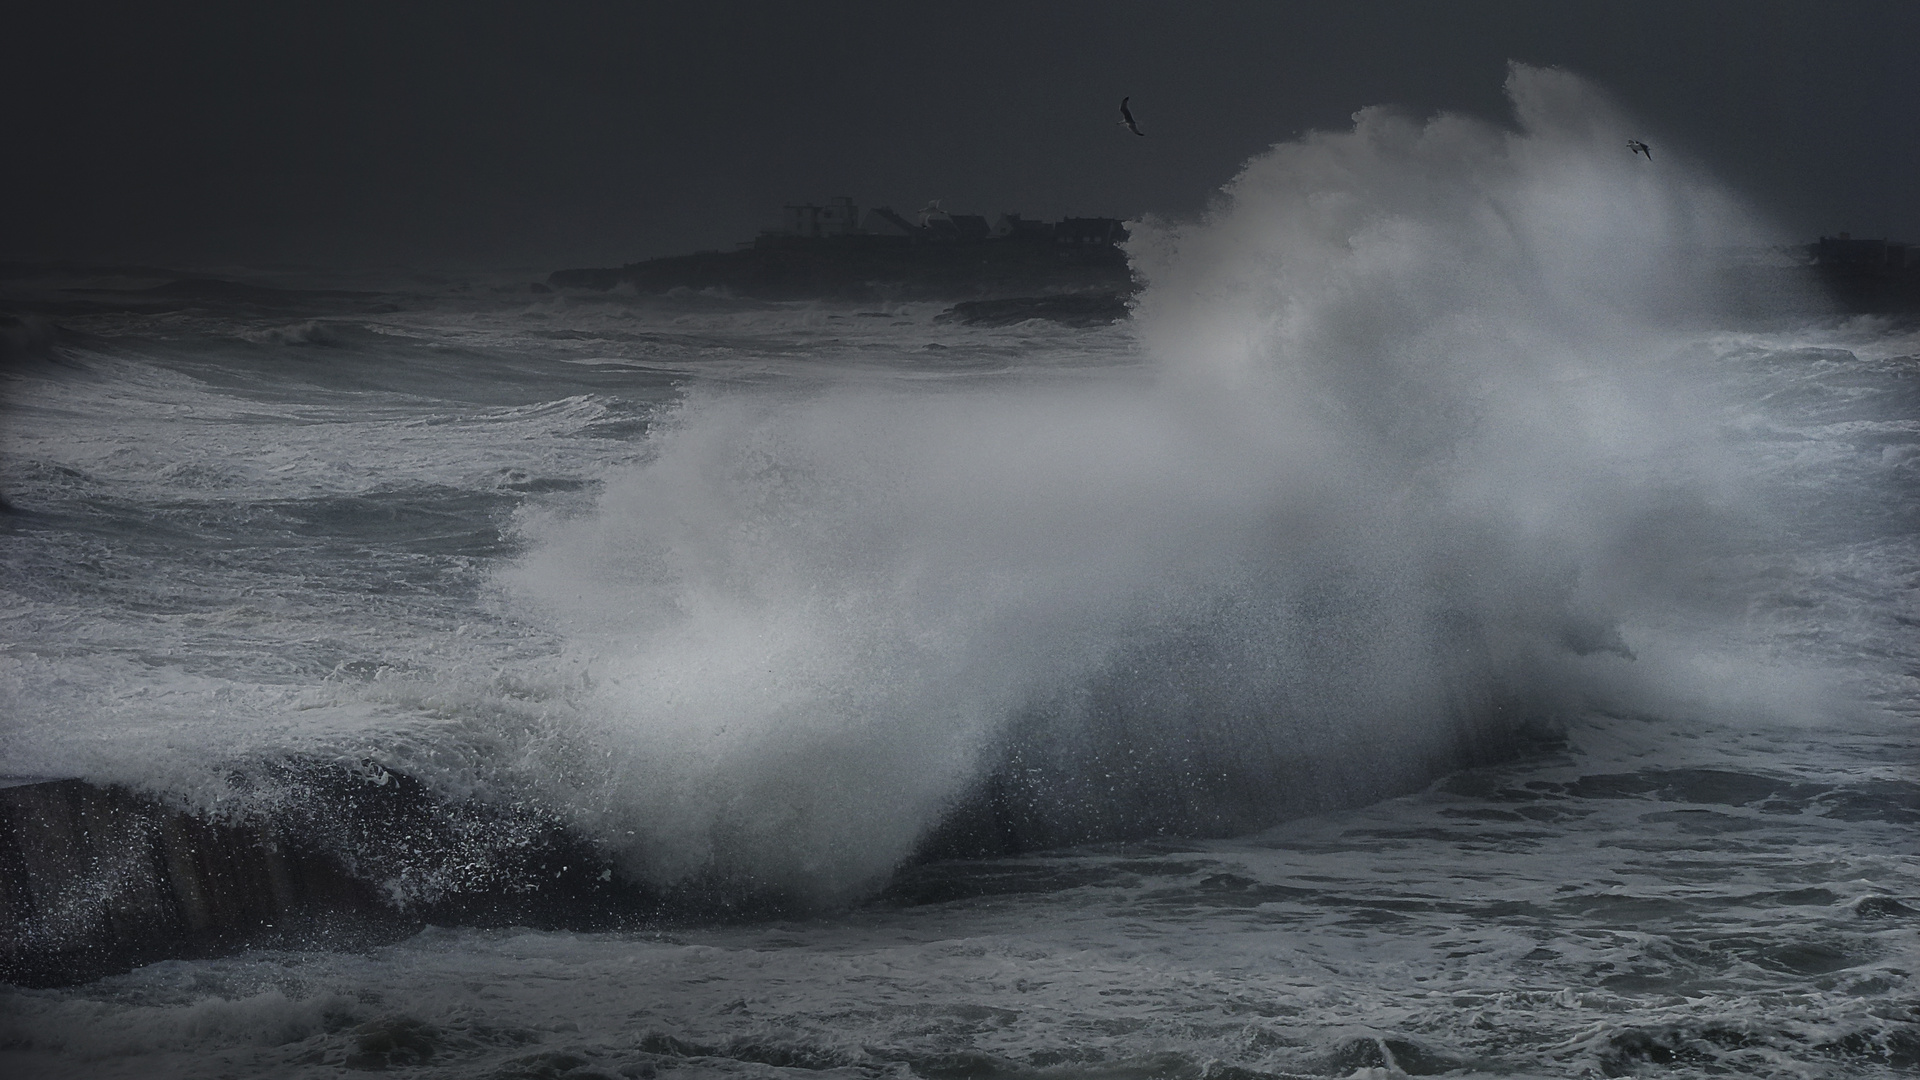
95,879
467,862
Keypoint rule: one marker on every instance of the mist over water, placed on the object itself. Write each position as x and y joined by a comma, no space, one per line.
1410,476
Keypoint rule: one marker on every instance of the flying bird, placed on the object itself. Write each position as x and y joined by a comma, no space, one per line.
1126,117
1639,147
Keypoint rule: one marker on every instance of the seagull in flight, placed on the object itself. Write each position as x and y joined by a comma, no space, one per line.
1639,147
1126,117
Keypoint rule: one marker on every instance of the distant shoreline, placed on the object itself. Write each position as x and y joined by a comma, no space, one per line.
876,268
1854,276
1831,276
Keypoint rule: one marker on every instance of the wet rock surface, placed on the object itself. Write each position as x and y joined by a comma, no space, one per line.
96,879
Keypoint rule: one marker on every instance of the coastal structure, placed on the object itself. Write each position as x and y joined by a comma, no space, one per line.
1012,226
883,221
1867,275
1845,250
833,250
1086,231
838,217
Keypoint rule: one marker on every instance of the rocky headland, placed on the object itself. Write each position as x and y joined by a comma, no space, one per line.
868,268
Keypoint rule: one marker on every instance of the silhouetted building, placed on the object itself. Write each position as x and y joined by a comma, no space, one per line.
1014,227
841,218
1095,230
1845,251
1868,275
971,226
837,218
883,221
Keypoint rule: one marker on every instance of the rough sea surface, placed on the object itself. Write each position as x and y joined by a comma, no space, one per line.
1429,637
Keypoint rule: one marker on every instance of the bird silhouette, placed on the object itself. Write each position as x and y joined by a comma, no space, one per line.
1639,147
1126,117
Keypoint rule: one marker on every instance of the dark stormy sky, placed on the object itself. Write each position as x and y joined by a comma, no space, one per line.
556,134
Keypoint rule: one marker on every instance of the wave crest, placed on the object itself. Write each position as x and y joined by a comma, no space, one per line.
1411,455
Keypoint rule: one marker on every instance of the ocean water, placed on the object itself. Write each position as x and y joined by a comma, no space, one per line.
1434,635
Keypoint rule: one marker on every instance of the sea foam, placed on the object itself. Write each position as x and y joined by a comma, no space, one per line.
1412,468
